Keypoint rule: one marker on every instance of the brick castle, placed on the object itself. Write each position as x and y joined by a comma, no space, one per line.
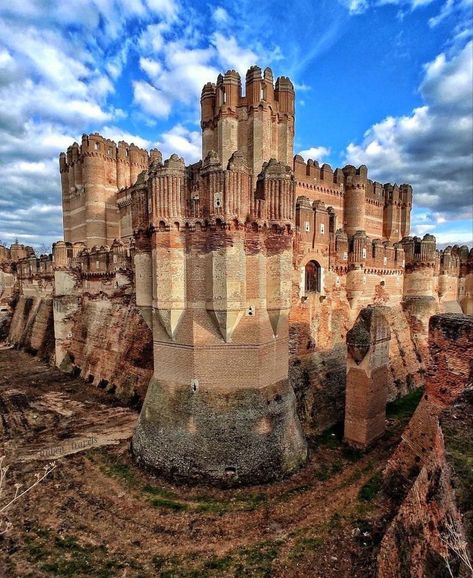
240,265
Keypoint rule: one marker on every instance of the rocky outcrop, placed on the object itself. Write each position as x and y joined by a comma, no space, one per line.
426,536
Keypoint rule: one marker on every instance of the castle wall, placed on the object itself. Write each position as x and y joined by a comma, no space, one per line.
382,211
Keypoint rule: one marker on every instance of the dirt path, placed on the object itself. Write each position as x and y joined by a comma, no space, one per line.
97,514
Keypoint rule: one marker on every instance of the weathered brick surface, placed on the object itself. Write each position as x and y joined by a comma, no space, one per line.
367,377
415,543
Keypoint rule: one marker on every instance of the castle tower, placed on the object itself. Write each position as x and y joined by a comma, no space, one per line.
419,301
259,124
91,175
355,198
213,274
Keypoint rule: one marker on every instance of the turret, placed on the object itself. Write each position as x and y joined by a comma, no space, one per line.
285,95
168,191
260,124
208,118
406,207
355,198
254,88
268,86
276,187
392,214
231,89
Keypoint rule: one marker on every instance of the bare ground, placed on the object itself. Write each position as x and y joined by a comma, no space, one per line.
99,515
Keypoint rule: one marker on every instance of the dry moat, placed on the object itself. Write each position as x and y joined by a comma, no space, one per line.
97,514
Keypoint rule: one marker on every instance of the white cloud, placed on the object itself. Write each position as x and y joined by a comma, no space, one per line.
151,100
182,141
360,6
117,134
220,15
231,54
315,153
432,148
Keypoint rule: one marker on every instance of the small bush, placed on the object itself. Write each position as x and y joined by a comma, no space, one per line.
371,489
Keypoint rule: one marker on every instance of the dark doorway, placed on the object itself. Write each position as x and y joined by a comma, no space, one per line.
313,277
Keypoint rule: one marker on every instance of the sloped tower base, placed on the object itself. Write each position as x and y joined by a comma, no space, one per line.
226,438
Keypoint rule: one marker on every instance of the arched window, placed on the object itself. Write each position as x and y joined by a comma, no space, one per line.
313,277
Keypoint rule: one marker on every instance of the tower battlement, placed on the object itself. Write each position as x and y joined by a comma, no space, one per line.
259,123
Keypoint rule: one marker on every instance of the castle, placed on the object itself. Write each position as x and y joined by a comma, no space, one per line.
240,265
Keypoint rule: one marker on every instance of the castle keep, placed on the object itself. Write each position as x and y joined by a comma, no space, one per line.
247,269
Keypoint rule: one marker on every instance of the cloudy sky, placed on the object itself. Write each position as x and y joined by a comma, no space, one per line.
387,83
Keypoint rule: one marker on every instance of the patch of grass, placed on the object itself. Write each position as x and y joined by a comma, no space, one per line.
65,558
305,546
258,560
170,504
371,489
36,551
123,471
404,407
158,491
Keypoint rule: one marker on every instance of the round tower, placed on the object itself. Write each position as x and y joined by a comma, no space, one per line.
207,118
355,198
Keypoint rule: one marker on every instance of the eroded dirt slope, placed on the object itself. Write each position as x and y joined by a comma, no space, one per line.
98,515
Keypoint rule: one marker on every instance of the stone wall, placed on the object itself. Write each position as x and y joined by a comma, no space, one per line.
421,471
318,376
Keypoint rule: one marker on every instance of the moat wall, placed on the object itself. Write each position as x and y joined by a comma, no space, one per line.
429,475
100,336
32,326
111,346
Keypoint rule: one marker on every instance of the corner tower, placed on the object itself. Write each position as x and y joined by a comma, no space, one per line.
213,273
259,124
91,175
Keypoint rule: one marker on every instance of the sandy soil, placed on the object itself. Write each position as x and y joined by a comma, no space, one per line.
99,515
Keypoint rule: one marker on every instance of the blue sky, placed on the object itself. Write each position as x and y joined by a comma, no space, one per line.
387,83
